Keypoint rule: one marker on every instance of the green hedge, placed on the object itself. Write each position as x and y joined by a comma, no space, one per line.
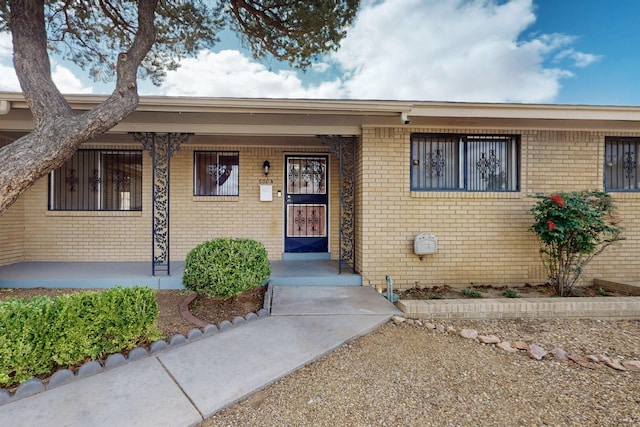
226,267
41,333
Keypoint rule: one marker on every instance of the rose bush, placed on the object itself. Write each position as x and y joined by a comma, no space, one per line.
573,228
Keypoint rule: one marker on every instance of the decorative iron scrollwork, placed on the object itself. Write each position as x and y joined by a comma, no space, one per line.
630,164
121,180
72,180
488,166
312,173
436,164
300,220
94,180
345,149
294,175
161,147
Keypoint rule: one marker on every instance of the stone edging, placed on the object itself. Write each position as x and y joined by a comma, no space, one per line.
533,350
530,308
65,376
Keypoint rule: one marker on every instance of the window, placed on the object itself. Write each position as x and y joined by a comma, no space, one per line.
621,164
215,173
446,162
98,180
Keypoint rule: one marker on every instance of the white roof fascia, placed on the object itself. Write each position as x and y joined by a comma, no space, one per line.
355,107
526,111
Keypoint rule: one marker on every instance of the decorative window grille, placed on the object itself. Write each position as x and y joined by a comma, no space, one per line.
215,173
450,162
621,164
98,180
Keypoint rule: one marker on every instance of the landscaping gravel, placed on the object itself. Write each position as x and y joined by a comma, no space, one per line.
410,375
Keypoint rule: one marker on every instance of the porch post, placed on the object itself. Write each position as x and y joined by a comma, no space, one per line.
344,147
161,147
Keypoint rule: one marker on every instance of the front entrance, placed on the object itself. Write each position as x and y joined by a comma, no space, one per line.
306,208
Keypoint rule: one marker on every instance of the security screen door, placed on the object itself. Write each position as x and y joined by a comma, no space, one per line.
306,204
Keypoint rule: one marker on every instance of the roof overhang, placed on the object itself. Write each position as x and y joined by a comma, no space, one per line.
306,117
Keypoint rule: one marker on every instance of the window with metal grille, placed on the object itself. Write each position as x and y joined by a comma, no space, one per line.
98,180
621,164
451,162
215,173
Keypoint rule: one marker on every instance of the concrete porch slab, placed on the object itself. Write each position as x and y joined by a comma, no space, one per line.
316,300
92,275
319,272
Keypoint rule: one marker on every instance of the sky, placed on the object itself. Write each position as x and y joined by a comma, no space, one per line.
518,51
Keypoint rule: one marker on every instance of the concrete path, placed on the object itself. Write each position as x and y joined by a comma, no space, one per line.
183,385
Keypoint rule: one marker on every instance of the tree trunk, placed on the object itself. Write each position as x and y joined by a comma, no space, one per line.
58,132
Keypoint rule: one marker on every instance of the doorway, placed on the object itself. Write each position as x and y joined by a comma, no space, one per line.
306,208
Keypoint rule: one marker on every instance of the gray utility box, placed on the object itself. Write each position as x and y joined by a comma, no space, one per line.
425,244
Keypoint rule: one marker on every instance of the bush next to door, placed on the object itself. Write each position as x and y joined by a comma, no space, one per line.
40,334
226,267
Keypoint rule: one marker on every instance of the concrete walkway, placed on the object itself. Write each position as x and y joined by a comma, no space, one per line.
183,385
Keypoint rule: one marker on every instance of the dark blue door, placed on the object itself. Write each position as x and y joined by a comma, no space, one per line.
306,213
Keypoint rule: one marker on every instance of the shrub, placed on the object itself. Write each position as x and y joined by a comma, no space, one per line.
510,293
41,333
471,294
226,267
573,228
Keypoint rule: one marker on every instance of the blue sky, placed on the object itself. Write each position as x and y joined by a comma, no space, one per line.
606,28
529,51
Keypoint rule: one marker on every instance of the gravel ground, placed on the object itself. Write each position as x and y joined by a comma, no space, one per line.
410,376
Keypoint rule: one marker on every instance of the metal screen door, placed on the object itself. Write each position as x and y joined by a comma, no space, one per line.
306,213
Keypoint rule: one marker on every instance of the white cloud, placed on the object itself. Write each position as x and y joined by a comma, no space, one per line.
62,76
8,78
580,59
6,48
67,81
320,67
455,50
230,73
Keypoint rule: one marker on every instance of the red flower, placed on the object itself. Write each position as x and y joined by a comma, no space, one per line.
557,199
551,225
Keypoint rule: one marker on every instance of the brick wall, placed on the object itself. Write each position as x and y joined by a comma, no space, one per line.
197,219
482,237
11,228
12,234
83,235
126,236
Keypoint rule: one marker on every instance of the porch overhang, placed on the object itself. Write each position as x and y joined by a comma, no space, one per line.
280,119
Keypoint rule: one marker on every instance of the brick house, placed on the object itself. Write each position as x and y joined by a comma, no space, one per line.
353,180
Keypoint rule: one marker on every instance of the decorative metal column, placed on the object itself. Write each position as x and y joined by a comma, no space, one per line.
345,149
161,147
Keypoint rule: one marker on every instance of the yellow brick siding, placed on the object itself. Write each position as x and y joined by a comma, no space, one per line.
126,236
11,228
483,238
12,234
197,219
85,235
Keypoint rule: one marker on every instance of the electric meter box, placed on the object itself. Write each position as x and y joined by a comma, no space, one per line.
425,244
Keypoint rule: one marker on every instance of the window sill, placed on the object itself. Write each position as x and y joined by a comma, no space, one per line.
624,194
466,195
216,198
93,213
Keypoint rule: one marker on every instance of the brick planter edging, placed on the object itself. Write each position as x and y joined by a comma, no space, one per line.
65,376
531,308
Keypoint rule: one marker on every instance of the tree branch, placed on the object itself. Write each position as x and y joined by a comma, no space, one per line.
31,61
